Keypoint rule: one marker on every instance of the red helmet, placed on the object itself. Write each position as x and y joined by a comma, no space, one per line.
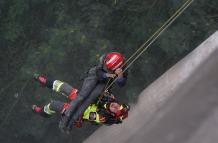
113,60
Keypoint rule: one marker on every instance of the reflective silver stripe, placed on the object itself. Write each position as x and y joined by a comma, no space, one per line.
57,84
48,110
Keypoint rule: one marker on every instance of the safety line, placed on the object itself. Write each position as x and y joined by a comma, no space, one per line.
153,38
143,45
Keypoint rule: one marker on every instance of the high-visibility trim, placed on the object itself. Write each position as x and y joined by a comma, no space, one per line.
105,106
56,85
73,94
48,110
91,109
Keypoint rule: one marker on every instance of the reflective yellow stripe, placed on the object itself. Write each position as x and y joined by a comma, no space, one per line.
57,84
48,110
105,106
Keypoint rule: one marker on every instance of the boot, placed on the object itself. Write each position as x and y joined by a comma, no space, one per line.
40,111
40,78
36,109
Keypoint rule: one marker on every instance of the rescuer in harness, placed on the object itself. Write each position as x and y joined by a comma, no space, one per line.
109,66
108,111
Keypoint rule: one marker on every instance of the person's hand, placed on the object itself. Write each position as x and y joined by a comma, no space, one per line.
119,72
110,75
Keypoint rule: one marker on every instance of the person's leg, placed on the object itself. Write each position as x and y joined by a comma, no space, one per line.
43,110
89,84
58,86
96,92
51,108
65,89
58,106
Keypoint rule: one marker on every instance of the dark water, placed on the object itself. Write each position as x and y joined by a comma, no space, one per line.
64,38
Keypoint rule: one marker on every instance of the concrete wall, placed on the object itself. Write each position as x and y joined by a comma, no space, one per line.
156,95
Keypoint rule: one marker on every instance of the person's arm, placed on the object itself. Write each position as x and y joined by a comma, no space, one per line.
103,76
122,77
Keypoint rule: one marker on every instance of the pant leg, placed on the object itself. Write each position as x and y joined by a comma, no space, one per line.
56,106
89,84
59,86
91,99
51,108
62,87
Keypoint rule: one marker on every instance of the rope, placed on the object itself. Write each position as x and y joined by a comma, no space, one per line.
159,30
153,38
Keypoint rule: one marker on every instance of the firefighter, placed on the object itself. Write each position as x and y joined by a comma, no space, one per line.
109,66
108,111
